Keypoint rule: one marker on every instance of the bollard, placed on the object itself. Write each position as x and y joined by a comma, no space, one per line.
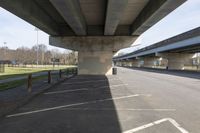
67,71
114,69
60,74
70,71
29,83
49,77
76,71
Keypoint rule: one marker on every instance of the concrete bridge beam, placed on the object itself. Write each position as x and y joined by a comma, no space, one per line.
71,12
115,11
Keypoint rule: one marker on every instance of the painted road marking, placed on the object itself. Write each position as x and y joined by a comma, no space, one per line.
75,104
172,121
89,81
122,109
113,85
94,79
65,91
82,89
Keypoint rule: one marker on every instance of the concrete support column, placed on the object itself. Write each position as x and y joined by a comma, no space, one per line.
118,63
95,63
149,62
177,61
135,63
95,52
129,63
123,63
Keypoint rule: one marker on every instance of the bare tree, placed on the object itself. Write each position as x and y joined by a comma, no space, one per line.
24,55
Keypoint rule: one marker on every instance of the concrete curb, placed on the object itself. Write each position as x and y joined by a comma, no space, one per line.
25,100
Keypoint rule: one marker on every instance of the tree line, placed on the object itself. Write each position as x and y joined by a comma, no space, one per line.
38,53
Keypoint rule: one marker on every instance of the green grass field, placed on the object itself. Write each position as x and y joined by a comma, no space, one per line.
22,71
16,83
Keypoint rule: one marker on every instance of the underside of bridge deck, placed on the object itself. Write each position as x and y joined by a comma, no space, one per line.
81,19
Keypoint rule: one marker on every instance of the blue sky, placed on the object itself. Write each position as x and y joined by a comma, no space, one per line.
183,19
17,32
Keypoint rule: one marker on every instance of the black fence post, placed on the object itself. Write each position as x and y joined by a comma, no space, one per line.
75,69
29,83
60,74
67,71
49,77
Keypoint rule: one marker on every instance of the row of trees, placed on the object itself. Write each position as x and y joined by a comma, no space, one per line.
40,53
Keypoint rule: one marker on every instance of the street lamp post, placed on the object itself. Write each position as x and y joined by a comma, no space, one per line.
198,60
4,53
37,30
4,44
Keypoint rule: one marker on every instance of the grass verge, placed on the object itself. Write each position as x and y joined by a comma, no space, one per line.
16,83
11,72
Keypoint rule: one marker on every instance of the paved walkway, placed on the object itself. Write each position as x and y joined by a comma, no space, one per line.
133,101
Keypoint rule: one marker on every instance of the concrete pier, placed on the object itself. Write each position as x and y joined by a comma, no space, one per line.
95,53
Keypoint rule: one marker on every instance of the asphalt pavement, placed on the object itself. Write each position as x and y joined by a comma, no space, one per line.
134,101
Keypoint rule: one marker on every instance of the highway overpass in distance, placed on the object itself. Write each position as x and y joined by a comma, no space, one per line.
179,52
97,29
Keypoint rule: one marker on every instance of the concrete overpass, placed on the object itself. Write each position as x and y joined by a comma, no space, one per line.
178,50
95,28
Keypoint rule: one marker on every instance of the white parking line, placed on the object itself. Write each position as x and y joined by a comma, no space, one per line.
65,91
113,85
94,79
122,109
82,89
75,104
182,130
90,81
159,110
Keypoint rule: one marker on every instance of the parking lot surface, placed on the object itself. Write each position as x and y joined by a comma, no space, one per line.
134,101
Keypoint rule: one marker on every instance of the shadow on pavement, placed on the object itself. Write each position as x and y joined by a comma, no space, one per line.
90,109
